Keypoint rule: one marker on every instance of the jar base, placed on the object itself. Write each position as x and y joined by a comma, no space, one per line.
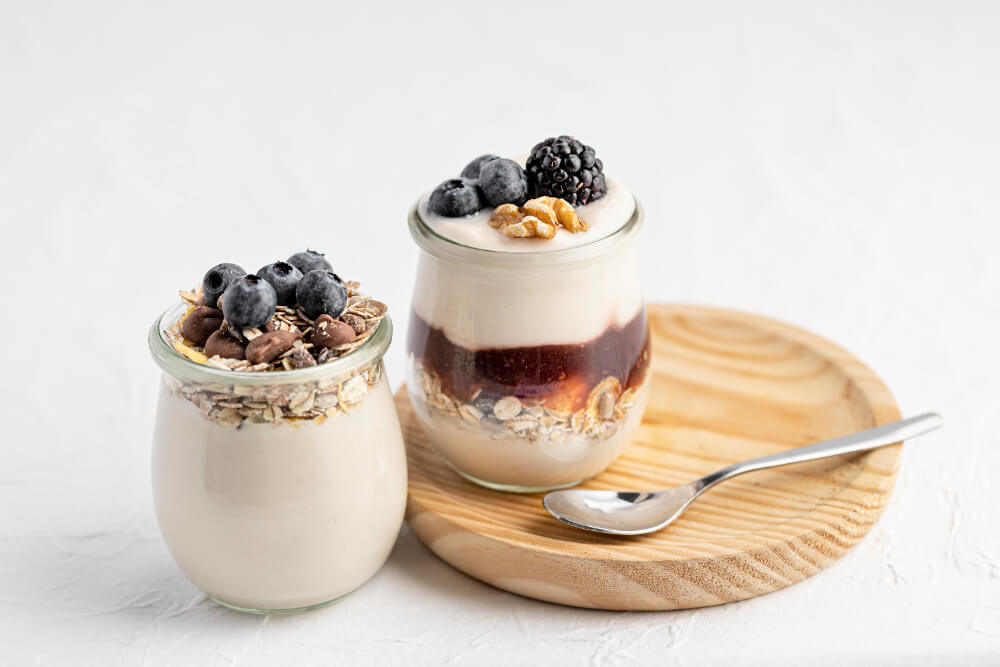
277,612
511,488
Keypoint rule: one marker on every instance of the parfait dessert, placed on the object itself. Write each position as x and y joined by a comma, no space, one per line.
279,475
528,345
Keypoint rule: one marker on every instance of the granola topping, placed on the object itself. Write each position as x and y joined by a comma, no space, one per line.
286,341
362,313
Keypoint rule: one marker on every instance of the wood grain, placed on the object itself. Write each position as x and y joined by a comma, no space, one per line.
727,386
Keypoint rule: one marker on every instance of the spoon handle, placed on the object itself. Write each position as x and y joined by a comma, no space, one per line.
880,436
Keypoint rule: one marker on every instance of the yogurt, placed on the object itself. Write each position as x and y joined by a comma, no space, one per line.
279,517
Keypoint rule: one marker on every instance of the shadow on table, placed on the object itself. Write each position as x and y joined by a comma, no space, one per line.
123,578
418,567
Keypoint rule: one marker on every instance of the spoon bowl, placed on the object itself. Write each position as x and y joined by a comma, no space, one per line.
620,512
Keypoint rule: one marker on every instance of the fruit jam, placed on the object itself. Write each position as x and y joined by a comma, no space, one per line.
562,375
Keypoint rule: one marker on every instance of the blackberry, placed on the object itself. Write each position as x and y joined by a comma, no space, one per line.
566,168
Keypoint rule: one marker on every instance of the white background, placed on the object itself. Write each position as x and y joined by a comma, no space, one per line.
834,165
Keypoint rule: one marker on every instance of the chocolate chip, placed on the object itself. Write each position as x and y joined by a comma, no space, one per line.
225,346
200,324
356,322
329,332
266,347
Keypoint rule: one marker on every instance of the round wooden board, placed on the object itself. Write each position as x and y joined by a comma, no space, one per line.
727,386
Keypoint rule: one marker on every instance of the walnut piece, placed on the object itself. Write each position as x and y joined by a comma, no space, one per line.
541,217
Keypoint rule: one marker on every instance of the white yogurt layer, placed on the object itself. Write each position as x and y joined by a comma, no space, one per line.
605,216
547,303
279,516
553,305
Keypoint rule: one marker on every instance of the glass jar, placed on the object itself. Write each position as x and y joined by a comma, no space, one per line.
280,491
528,369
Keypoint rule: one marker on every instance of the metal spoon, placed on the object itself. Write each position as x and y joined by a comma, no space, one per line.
641,512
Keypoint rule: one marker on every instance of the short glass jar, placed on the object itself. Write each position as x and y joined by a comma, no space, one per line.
528,369
281,491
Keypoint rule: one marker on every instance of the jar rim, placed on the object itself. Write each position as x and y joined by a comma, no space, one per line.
180,367
448,249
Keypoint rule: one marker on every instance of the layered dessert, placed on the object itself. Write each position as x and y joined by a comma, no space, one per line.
528,341
279,473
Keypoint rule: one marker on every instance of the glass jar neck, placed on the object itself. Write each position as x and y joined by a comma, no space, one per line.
447,250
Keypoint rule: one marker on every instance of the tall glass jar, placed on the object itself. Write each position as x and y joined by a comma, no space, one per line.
528,369
278,491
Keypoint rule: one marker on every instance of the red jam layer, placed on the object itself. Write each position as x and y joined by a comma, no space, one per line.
563,375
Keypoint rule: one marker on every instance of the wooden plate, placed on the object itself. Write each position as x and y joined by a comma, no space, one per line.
727,386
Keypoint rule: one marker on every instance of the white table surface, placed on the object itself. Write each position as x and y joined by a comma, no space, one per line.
834,165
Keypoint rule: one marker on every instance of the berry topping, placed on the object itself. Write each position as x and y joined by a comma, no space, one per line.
216,281
249,302
503,181
322,292
566,168
472,169
310,260
456,198
283,278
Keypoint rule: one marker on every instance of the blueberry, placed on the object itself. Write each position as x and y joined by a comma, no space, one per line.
310,260
283,278
249,302
472,169
456,197
503,182
321,292
217,279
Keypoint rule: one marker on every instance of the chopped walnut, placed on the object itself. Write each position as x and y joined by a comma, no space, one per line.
541,217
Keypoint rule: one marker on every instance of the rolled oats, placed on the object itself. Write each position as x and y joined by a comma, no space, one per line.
233,405
470,413
509,416
506,408
353,390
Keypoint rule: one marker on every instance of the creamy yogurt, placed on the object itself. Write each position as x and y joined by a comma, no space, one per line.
279,516
605,216
523,306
